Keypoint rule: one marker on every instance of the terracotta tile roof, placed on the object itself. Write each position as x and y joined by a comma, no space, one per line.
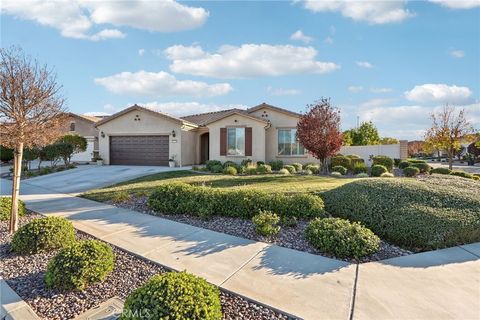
203,119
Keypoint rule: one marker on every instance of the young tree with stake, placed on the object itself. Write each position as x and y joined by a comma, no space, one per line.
31,111
318,130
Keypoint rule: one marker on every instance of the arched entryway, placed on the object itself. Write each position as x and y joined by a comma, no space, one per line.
204,147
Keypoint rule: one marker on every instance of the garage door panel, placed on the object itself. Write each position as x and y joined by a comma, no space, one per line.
139,150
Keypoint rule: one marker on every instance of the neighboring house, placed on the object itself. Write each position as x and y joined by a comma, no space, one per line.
141,136
84,126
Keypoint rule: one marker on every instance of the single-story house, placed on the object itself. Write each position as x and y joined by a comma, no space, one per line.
84,126
141,136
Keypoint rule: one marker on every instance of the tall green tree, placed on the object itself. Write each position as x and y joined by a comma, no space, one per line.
366,134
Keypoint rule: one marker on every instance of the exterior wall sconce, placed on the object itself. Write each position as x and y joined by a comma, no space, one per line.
174,133
102,134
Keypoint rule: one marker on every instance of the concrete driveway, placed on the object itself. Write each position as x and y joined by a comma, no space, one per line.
87,177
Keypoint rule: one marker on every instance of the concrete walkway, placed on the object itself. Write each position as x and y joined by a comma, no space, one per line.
443,284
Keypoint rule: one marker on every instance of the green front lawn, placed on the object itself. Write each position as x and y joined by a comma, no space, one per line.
272,182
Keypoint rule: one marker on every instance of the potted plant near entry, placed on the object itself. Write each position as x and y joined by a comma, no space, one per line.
171,162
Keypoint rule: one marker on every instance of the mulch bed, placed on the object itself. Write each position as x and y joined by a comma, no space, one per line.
289,237
25,275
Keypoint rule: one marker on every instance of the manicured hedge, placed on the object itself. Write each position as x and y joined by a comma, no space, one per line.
423,167
182,198
174,295
411,171
342,238
385,161
340,169
340,161
378,169
6,207
462,174
420,214
441,171
43,235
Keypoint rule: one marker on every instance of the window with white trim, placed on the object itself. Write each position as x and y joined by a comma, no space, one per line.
288,144
236,141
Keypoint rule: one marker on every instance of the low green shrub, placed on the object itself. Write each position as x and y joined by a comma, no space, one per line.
306,172
43,234
218,168
441,171
230,170
120,196
260,163
411,171
290,168
251,170
174,295
246,162
289,221
385,161
336,174
315,168
266,223
276,165
354,162
284,171
353,156
6,208
339,160
362,175
431,212
404,164
211,163
387,175
396,162
242,170
229,164
462,174
297,166
416,161
340,169
264,169
342,238
378,169
182,198
79,265
45,170
360,167
423,167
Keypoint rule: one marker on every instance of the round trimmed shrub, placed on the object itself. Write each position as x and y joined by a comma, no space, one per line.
335,174
227,164
174,295
218,168
340,169
385,161
342,238
276,165
251,170
423,167
403,164
353,156
307,172
441,171
79,265
315,168
211,163
462,174
362,175
387,175
297,166
284,171
264,169
411,171
43,235
6,208
339,160
378,169
266,223
290,168
260,163
230,170
360,167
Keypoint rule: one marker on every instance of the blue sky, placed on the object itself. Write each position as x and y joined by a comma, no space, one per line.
392,62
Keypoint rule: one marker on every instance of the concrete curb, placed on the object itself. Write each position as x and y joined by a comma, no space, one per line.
12,306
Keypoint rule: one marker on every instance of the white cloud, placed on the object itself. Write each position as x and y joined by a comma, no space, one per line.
381,90
97,114
300,36
177,108
440,93
373,12
458,4
160,84
141,52
355,89
283,91
374,103
457,53
248,60
76,18
364,64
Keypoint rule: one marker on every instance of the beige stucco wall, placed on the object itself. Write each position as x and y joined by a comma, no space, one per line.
258,138
189,147
83,128
149,124
280,120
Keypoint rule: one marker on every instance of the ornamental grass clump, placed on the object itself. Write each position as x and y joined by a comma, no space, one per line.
430,212
342,238
174,295
42,235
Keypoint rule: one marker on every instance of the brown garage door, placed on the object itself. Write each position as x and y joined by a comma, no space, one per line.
139,150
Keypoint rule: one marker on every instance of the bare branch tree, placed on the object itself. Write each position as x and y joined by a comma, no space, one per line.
448,130
32,110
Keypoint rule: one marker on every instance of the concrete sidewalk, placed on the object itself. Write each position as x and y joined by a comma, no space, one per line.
439,284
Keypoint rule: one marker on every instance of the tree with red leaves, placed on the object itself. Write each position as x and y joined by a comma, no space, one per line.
318,130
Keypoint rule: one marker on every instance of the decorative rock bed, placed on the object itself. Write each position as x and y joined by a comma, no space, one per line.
289,237
25,275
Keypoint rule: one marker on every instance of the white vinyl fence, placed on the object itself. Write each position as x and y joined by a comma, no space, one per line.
393,151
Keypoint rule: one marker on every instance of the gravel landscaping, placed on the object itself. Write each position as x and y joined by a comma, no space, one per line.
289,237
25,275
